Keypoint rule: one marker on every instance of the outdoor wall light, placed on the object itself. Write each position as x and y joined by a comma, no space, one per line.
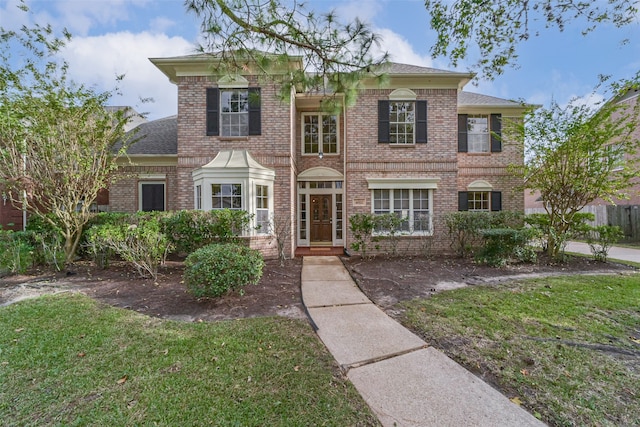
320,155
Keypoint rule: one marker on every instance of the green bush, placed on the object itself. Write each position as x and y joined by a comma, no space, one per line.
215,269
362,226
601,238
465,230
16,251
548,234
47,241
503,245
140,243
92,246
189,230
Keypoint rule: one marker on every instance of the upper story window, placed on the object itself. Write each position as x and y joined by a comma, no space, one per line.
478,201
478,137
479,133
234,112
319,134
402,121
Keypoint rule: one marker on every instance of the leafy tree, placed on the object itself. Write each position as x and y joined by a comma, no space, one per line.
244,29
577,154
268,33
497,26
57,139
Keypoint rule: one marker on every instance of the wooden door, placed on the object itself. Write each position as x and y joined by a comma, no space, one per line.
321,218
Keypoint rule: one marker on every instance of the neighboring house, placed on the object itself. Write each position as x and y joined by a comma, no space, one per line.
419,147
624,213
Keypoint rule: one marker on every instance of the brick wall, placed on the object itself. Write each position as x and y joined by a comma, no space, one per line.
123,195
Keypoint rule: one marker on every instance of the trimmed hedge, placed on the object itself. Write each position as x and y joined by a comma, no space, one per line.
216,269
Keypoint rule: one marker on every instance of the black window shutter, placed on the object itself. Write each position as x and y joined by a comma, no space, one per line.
496,133
496,201
421,121
463,201
383,121
213,105
462,133
255,119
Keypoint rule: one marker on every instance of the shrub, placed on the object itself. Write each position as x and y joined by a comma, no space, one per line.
601,238
16,252
100,253
140,243
189,230
362,226
502,245
47,242
464,229
215,269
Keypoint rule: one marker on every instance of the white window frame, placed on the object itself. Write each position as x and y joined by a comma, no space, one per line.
262,226
481,197
404,137
239,120
478,137
231,196
393,184
320,144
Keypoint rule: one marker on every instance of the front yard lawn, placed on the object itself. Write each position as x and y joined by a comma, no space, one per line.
68,360
567,348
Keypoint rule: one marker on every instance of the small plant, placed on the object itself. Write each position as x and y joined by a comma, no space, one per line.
216,269
502,245
281,229
16,252
189,230
390,227
47,242
464,230
362,226
600,240
548,234
141,243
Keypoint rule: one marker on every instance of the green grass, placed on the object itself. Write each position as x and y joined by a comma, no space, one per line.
67,360
568,348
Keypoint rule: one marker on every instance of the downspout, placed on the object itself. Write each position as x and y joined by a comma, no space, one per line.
345,205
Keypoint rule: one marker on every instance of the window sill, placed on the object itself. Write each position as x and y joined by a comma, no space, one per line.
483,153
412,145
323,154
233,138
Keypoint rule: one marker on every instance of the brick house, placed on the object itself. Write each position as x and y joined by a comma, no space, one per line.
419,146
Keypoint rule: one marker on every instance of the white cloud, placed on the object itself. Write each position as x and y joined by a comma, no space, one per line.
400,49
161,24
80,16
365,10
97,60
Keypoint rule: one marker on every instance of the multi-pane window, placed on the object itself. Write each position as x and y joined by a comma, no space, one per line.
198,196
401,122
478,135
262,209
478,201
226,196
410,204
234,112
320,134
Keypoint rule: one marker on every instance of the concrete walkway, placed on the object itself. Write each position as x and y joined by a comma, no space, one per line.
404,381
616,252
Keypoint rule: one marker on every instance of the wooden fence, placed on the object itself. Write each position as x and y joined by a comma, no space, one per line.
627,217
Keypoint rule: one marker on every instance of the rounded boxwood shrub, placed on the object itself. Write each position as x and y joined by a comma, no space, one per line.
216,269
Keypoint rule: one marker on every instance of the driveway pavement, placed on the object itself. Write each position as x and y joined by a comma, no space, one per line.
616,252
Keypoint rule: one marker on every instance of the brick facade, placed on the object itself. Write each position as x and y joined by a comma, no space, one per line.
361,157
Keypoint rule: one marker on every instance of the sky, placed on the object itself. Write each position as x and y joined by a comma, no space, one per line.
112,37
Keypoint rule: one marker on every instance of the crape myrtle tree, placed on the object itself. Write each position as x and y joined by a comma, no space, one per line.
577,154
57,139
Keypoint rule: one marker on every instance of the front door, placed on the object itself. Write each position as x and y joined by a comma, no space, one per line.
321,218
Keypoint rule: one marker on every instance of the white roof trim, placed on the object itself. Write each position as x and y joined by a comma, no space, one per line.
233,163
236,81
408,183
320,173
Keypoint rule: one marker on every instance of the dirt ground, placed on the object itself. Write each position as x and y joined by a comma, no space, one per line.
386,281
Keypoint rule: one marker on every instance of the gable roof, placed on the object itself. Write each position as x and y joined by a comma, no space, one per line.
159,137
398,68
475,99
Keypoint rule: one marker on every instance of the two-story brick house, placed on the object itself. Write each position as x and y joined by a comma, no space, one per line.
418,146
